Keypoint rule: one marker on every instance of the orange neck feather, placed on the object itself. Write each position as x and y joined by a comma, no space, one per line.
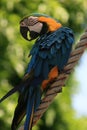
52,24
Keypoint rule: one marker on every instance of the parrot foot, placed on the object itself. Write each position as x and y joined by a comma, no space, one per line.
53,74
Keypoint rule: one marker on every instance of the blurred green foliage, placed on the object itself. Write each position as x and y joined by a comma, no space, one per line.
13,59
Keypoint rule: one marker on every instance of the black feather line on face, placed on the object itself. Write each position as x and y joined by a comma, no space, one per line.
44,29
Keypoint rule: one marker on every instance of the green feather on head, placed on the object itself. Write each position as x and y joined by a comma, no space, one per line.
39,15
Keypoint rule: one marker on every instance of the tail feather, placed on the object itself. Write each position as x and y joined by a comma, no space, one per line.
28,102
20,110
18,116
24,82
32,105
13,90
30,112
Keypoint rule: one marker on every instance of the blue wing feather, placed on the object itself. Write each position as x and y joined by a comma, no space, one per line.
38,67
45,69
52,49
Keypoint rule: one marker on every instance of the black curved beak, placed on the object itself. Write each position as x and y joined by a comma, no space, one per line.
24,32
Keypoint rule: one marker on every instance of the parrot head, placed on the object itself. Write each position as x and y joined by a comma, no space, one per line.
36,25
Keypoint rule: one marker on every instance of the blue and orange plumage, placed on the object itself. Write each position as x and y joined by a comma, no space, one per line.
50,54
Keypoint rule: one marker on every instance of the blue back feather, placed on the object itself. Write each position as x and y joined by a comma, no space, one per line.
51,49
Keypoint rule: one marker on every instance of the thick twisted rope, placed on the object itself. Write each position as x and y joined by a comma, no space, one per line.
56,86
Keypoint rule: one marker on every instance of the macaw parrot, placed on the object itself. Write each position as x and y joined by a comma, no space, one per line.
49,55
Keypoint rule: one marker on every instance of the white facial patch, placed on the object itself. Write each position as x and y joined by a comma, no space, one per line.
36,27
32,20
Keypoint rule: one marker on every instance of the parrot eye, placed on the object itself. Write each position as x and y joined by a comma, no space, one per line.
22,24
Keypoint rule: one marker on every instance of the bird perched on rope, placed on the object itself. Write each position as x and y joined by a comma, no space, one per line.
49,55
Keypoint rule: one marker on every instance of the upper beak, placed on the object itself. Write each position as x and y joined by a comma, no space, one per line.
24,32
